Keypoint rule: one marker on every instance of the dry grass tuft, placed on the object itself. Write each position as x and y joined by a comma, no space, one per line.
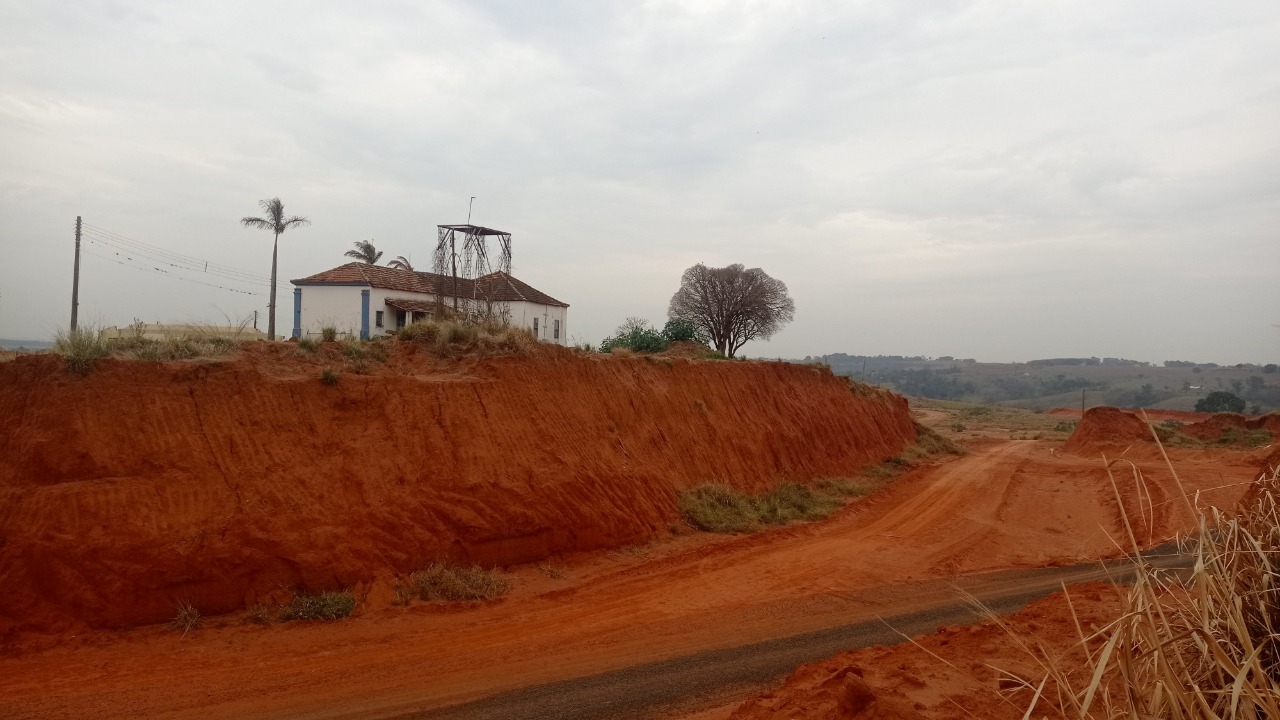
188,618
323,606
1207,647
716,507
452,336
441,581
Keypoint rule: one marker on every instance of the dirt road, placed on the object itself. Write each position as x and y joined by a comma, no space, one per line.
1017,504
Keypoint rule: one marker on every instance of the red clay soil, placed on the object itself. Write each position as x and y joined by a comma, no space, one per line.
1107,429
143,484
1015,504
1216,425
958,673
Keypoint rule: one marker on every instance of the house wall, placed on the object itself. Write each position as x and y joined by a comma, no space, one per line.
339,306
324,305
378,301
523,313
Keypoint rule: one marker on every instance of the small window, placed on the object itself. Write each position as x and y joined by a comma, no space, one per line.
535,327
557,335
377,318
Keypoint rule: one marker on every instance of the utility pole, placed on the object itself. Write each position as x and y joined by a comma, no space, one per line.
75,281
255,319
1082,402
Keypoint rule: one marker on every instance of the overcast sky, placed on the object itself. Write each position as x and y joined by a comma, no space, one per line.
999,180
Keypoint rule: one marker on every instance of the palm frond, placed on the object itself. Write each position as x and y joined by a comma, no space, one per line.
401,263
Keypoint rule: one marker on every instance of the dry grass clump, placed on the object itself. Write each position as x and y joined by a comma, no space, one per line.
83,347
188,618
441,581
1208,647
448,336
716,507
322,606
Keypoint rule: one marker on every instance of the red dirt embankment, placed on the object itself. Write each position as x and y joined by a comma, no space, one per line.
1108,429
142,485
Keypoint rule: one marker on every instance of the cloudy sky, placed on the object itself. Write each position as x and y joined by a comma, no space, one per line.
999,180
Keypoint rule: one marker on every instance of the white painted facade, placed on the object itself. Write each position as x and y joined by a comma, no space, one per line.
339,306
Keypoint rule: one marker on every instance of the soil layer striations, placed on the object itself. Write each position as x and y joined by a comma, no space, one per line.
142,485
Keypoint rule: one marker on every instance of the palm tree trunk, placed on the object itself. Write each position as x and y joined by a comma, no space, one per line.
271,314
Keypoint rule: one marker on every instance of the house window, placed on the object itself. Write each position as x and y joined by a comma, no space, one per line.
377,318
535,327
400,317
557,333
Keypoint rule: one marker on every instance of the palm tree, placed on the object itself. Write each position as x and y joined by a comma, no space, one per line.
401,263
276,222
365,252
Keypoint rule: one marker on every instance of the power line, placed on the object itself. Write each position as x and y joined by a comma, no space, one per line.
174,256
131,250
133,254
169,274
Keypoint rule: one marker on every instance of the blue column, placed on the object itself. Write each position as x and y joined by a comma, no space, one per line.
297,313
364,314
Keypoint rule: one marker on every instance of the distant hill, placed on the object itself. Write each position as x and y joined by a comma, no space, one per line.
7,344
1058,382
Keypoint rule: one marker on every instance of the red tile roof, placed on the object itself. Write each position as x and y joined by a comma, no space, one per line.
497,287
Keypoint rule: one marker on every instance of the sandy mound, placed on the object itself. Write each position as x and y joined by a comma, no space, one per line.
145,484
1104,429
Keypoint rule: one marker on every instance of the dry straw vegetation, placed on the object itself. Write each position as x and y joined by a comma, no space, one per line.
327,606
452,583
450,336
1203,647
187,619
83,347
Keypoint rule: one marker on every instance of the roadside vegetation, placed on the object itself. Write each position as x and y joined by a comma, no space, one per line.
452,583
717,507
328,606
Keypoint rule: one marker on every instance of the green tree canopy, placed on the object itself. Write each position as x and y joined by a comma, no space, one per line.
1220,401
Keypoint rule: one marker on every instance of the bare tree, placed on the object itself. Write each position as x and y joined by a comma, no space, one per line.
732,304
365,252
276,222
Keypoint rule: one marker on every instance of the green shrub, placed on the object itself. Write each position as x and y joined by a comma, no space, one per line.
329,377
323,606
635,334
307,344
441,581
328,333
679,329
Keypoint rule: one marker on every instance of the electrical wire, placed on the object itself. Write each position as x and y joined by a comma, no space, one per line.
128,249
168,273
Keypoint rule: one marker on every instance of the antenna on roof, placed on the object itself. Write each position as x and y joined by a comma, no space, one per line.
473,200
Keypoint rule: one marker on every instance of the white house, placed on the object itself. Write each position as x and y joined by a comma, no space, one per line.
369,300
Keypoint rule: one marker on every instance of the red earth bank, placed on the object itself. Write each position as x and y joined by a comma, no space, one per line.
140,485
